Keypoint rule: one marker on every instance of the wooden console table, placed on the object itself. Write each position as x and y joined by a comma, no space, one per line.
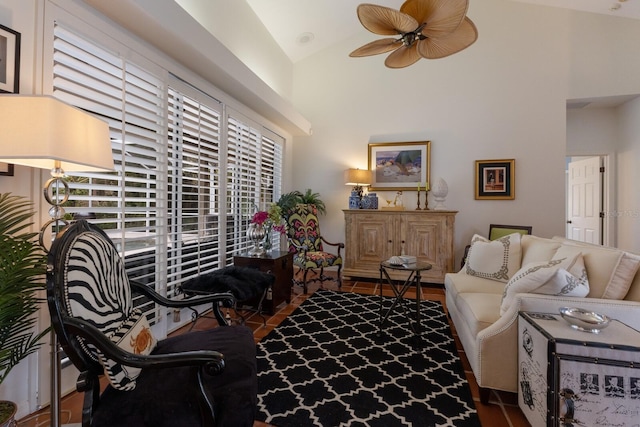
372,236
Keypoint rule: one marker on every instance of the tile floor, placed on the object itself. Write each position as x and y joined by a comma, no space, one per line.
502,410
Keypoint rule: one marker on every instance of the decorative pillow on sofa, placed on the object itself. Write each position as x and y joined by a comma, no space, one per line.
610,270
494,259
560,276
134,336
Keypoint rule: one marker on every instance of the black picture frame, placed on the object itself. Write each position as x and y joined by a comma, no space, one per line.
495,179
6,169
9,60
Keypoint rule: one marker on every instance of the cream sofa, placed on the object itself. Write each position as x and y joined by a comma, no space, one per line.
489,338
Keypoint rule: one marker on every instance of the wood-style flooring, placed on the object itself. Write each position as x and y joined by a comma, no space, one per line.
502,410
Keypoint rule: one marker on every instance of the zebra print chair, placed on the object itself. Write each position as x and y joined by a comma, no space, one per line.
201,378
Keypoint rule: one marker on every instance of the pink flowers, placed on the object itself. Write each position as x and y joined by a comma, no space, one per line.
260,217
271,219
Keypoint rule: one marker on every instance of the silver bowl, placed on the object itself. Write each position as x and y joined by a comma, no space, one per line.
583,320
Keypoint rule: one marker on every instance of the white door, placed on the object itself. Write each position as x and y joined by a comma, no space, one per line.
584,200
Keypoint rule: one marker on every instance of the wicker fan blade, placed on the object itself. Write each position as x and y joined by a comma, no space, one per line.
462,38
376,47
403,57
441,16
384,20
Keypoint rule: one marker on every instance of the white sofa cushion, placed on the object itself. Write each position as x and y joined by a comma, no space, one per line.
559,276
610,270
494,259
460,283
538,249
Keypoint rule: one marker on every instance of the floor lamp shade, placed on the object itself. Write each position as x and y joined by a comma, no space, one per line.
39,131
44,132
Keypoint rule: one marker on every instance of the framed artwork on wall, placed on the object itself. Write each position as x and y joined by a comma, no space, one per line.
495,179
400,166
6,169
9,60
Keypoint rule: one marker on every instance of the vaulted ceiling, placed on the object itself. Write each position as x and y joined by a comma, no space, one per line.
303,27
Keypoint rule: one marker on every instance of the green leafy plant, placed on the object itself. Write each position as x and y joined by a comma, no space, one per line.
22,270
289,200
312,198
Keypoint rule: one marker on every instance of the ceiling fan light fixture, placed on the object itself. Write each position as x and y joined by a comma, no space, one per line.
427,28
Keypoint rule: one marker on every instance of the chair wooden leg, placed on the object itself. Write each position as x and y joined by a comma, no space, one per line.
484,395
304,280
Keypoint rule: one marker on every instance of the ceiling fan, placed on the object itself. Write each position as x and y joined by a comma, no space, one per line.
428,29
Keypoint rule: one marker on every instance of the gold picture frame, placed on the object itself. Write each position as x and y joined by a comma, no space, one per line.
399,166
495,179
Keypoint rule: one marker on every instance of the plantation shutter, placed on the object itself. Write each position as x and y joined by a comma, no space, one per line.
194,184
127,203
187,176
254,178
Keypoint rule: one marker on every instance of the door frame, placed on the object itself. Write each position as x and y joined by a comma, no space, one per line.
607,195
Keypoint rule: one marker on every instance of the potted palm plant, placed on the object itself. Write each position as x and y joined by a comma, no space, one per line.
288,201
22,270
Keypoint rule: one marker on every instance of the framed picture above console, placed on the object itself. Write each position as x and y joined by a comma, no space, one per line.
400,166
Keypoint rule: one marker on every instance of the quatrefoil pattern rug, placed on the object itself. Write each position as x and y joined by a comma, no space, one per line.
325,365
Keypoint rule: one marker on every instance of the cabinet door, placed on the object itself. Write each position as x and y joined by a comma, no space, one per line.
372,239
421,236
430,239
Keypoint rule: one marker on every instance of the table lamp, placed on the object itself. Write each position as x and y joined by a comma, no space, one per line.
358,178
44,132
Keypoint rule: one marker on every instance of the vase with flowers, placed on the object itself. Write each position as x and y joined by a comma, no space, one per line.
261,227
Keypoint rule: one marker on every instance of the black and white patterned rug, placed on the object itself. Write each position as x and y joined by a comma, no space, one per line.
325,366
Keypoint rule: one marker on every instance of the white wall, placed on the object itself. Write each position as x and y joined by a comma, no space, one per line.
614,132
628,176
504,97
237,27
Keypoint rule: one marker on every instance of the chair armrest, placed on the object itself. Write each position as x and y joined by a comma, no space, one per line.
226,298
211,361
338,245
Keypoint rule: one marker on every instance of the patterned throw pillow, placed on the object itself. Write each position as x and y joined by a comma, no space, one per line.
494,259
134,336
561,277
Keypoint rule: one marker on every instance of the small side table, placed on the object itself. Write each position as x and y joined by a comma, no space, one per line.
278,263
399,291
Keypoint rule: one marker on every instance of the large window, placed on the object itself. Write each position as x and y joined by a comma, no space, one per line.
188,175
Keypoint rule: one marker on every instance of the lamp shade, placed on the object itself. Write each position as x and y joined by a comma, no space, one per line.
360,177
38,131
